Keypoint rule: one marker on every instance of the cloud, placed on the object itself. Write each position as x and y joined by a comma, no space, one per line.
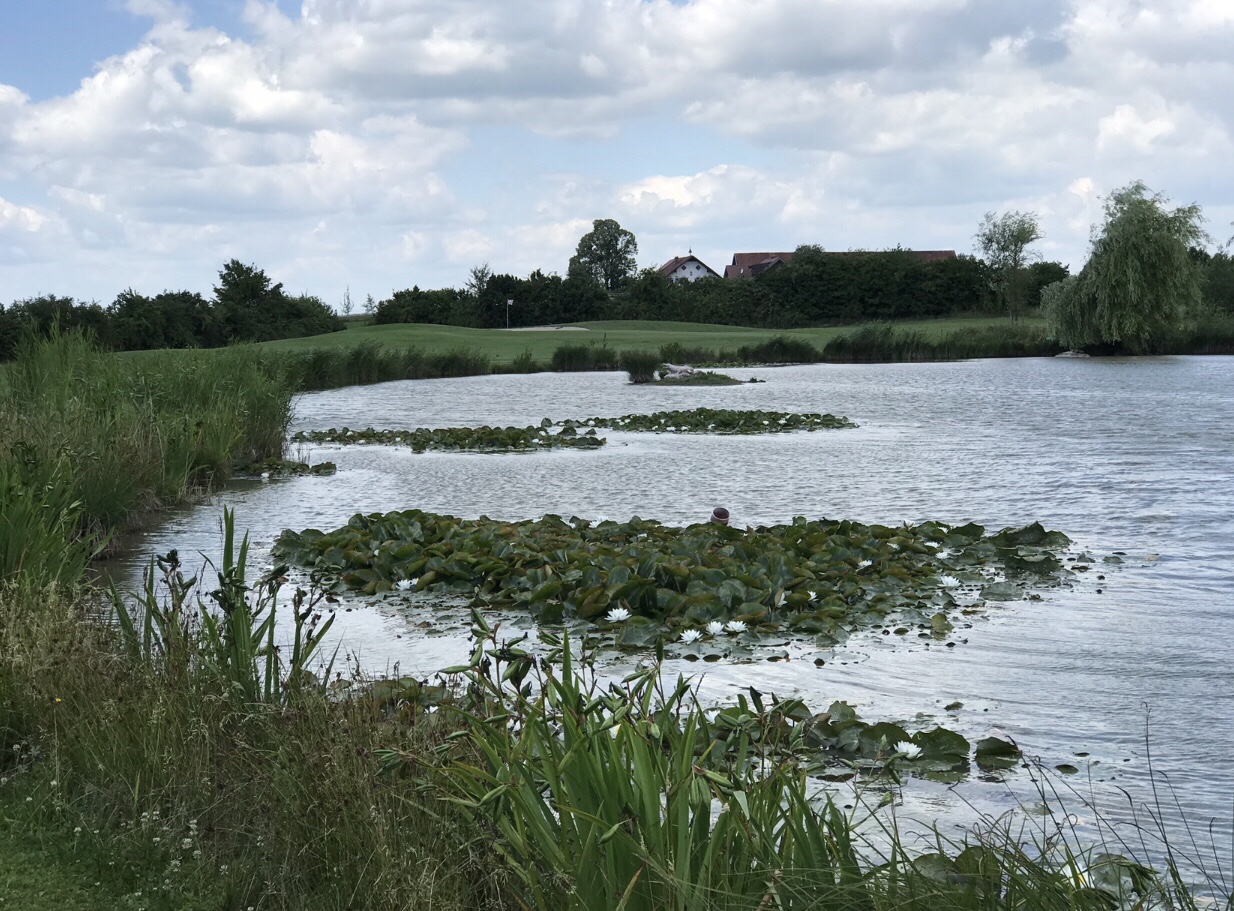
341,128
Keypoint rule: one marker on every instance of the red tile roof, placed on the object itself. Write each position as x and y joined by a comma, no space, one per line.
748,265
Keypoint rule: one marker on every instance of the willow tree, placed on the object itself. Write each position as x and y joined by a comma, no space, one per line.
1140,280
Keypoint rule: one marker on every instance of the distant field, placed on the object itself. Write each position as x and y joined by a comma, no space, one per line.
504,345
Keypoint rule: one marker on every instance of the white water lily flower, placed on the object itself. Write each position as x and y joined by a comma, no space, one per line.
735,626
715,628
863,564
404,584
813,596
907,749
690,635
949,581
617,614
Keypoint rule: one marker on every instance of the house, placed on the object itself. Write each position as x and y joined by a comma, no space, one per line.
687,269
748,265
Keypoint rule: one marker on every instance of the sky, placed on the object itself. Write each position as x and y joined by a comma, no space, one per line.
372,145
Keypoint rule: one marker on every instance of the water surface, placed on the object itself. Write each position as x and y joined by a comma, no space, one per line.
1123,455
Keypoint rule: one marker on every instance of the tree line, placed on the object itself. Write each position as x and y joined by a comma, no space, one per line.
247,306
814,287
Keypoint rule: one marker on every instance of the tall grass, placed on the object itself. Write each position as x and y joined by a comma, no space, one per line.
574,358
883,343
179,787
366,363
642,366
98,441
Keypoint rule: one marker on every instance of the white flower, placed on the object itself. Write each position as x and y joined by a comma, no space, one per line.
735,626
715,627
907,749
617,614
949,581
863,564
690,635
405,584
813,596
265,475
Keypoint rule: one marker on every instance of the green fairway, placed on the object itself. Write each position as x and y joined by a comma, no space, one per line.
503,345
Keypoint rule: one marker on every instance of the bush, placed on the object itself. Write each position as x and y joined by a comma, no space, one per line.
641,365
526,363
575,358
780,350
676,353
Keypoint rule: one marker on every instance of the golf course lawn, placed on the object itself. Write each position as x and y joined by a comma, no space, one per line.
503,345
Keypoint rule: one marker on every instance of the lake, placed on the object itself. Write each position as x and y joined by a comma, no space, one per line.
1123,455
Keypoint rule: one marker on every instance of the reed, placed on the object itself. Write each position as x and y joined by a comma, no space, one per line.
574,358
642,366
99,441
331,368
883,343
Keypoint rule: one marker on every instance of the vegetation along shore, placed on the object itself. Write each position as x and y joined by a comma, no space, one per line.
202,750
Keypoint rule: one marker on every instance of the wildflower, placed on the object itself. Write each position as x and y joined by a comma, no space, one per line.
57,699
907,749
690,635
715,627
735,626
405,584
617,614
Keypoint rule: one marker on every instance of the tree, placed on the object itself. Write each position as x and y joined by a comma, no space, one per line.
1140,281
1003,241
347,305
370,305
477,281
247,302
606,254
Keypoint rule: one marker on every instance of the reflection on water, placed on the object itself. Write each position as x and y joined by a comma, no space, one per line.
1128,455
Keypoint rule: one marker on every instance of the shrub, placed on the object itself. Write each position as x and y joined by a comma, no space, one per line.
574,358
780,350
641,365
526,363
